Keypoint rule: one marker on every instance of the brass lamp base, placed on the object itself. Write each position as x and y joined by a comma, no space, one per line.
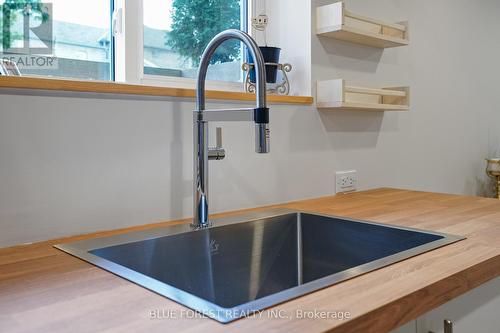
493,171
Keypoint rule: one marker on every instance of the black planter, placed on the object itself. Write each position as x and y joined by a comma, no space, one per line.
271,54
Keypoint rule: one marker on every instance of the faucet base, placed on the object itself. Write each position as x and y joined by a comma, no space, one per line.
196,226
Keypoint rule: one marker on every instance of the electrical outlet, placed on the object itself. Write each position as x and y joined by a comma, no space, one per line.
346,181
260,22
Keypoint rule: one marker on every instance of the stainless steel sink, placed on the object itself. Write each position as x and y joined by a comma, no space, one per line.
247,263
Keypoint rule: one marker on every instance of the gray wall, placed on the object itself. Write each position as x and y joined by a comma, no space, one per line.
76,165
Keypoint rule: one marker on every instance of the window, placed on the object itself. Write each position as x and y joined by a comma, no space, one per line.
66,38
84,45
177,31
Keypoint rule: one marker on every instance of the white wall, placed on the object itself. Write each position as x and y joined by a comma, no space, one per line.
76,165
452,67
287,19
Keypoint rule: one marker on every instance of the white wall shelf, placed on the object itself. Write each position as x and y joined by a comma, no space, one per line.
335,94
335,21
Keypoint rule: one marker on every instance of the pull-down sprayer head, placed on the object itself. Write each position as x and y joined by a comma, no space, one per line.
262,144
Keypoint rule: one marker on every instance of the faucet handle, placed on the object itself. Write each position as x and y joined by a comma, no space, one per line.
217,153
218,137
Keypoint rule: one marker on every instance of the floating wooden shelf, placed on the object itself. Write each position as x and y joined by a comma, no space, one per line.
335,94
336,22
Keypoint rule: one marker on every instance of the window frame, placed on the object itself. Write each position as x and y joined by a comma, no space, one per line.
112,50
129,50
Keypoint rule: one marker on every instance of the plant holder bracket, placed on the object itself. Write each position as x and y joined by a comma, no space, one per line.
281,88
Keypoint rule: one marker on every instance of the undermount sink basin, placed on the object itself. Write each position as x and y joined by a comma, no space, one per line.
246,263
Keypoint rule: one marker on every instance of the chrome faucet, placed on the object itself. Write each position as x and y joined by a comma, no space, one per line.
201,118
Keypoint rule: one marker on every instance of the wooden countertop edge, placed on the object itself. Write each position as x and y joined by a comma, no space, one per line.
403,310
101,87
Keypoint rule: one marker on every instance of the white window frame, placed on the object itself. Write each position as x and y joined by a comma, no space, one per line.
129,50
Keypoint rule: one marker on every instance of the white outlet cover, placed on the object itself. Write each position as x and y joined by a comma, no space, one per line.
346,181
260,22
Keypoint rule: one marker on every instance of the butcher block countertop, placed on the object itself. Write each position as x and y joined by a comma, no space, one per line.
45,290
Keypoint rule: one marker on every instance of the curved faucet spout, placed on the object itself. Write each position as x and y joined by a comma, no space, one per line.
259,66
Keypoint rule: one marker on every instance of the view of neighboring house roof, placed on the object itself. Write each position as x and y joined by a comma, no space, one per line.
88,36
156,38
93,37
83,35
77,34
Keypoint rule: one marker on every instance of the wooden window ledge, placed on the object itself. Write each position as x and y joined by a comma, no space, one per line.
100,87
